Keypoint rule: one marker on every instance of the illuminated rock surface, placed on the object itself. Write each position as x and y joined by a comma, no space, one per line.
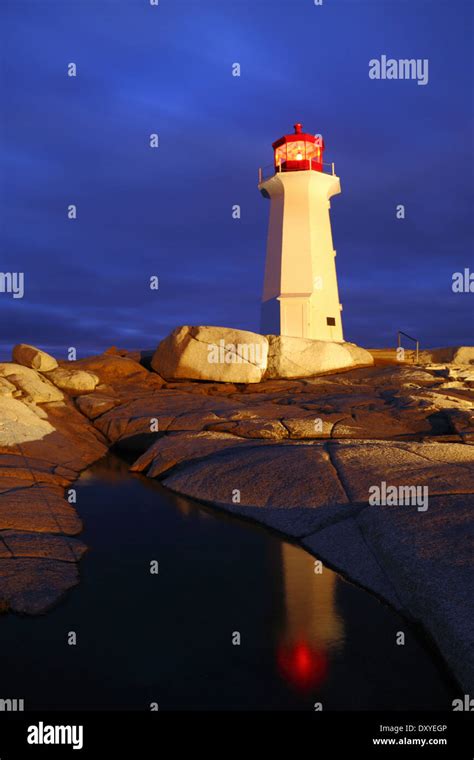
300,456
43,447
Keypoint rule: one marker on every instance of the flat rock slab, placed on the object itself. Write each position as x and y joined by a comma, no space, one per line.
377,403
291,487
344,547
429,557
171,409
93,405
32,586
447,468
39,507
260,428
75,444
170,450
310,425
20,544
19,466
380,424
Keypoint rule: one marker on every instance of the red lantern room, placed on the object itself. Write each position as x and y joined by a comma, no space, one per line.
299,151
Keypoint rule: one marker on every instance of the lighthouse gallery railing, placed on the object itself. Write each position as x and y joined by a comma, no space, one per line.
270,170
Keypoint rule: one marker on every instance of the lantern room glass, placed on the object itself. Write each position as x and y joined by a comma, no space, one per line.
298,150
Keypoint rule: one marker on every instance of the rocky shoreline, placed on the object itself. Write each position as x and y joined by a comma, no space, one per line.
298,455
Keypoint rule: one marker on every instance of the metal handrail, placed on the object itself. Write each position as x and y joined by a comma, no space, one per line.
262,171
415,340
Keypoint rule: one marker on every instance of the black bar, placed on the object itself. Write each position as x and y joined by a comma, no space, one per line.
148,734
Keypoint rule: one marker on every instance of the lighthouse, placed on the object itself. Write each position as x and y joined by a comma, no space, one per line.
300,292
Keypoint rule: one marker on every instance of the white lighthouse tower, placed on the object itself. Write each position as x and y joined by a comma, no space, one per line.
300,293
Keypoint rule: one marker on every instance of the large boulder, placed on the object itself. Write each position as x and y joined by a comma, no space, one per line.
19,423
360,356
6,387
302,357
73,381
453,354
33,387
220,354
110,368
34,358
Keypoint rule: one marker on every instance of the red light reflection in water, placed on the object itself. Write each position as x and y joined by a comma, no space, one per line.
303,666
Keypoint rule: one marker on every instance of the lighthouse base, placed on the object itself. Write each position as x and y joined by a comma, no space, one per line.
297,316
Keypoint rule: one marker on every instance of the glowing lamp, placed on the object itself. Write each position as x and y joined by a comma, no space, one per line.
299,151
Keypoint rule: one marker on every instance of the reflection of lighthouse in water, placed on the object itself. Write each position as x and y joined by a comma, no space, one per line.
312,625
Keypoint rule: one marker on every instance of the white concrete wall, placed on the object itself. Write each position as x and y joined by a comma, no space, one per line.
300,250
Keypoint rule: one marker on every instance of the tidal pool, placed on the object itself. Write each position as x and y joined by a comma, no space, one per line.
169,638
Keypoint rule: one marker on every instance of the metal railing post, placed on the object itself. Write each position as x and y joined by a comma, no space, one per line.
415,340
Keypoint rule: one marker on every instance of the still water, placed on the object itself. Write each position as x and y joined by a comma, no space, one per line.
167,638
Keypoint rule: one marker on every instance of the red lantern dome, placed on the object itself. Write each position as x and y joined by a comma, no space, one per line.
299,152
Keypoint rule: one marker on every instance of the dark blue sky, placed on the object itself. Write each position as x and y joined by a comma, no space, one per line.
142,212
